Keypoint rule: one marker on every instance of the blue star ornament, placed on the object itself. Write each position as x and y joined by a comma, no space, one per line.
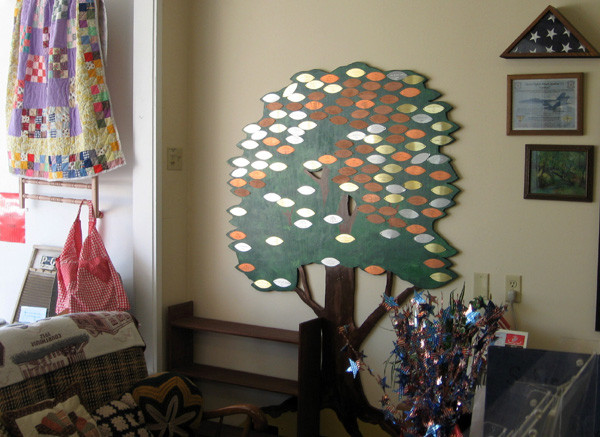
433,430
418,298
472,316
389,301
353,368
383,382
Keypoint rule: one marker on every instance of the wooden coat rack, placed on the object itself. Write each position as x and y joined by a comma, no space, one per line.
93,186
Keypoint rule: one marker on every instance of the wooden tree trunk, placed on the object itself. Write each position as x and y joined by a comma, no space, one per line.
341,391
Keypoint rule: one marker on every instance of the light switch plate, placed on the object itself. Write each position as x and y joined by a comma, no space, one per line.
481,285
174,158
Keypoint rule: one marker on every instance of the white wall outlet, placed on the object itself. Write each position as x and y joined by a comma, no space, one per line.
513,288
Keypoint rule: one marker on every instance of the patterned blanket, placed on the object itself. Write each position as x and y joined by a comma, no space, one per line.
59,113
34,349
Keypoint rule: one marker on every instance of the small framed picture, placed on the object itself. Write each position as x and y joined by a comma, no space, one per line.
545,104
559,172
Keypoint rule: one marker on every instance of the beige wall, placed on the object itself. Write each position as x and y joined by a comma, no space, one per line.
222,56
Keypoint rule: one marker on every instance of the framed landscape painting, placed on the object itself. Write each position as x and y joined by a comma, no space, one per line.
557,172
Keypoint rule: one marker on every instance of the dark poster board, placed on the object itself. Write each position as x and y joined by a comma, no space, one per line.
543,393
598,290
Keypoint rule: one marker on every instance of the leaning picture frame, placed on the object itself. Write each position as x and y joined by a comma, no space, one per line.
559,172
545,104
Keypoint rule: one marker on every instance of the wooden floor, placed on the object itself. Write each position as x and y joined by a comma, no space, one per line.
285,426
211,429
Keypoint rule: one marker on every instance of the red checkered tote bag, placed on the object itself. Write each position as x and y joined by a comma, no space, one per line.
87,279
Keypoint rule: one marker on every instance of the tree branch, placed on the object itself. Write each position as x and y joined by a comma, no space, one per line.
313,176
323,181
347,215
306,295
360,334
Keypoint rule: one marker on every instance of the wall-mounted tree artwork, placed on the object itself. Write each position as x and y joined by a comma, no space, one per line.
344,170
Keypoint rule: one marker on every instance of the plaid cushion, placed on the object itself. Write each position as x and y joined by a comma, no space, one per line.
24,393
101,379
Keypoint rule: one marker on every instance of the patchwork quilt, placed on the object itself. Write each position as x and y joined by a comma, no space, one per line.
59,112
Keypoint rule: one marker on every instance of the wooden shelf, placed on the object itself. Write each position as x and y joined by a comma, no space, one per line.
239,329
241,378
182,326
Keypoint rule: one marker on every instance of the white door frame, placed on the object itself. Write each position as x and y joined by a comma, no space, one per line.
146,179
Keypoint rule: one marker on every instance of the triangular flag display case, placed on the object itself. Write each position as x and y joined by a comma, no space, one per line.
550,36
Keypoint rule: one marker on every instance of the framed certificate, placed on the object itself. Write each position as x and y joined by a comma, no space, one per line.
545,104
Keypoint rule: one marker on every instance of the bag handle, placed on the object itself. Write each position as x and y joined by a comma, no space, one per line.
92,216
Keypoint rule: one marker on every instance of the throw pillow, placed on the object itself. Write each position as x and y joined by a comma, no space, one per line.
122,417
63,415
171,403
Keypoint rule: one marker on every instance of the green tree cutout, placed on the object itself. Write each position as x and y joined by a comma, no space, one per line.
344,169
